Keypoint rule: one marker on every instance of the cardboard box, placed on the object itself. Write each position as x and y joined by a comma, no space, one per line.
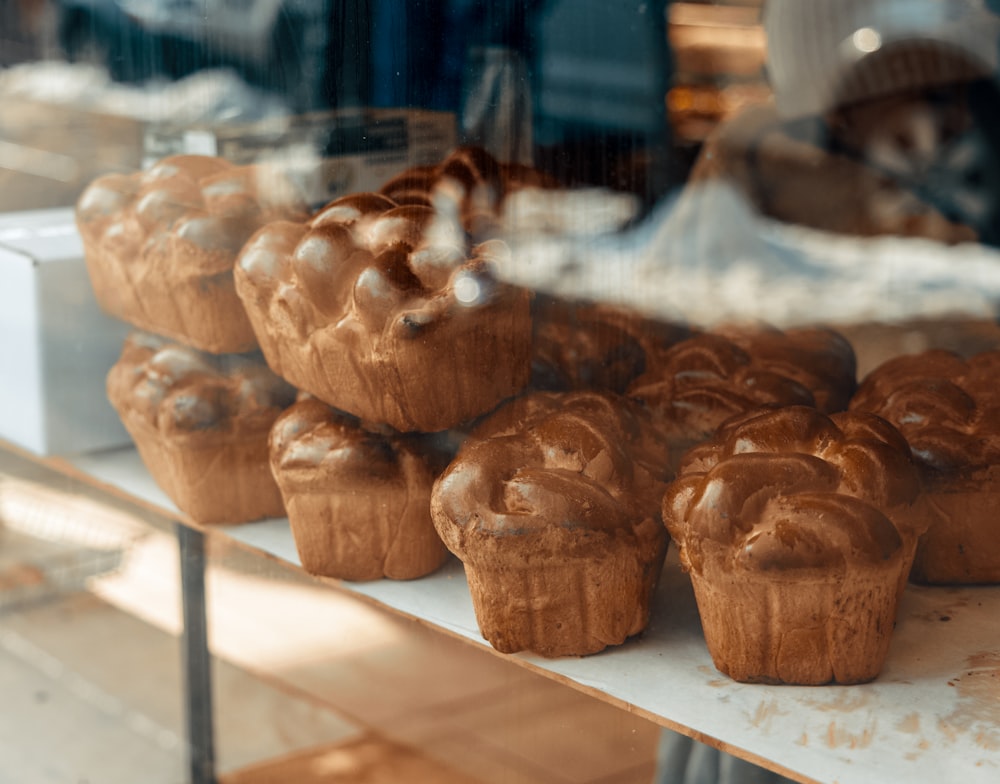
56,345
329,154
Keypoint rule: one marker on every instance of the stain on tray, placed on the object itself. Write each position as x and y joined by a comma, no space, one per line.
715,681
910,723
978,709
765,712
839,737
950,603
987,659
844,702
923,746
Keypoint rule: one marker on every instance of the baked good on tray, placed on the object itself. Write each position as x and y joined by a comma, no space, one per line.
702,381
386,312
588,345
948,408
470,183
200,423
160,245
358,501
552,504
798,530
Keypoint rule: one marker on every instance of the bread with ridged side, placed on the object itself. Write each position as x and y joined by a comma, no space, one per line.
948,409
358,501
160,245
200,423
385,312
798,530
700,382
552,504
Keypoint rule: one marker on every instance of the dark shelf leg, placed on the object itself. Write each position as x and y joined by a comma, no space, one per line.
196,660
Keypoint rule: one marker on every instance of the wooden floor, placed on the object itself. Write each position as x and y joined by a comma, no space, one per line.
310,684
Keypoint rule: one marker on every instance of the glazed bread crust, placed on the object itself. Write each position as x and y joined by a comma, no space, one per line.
700,382
358,501
200,423
553,506
948,408
382,311
470,183
581,345
160,245
798,530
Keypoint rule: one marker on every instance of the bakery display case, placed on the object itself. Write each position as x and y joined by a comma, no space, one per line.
637,359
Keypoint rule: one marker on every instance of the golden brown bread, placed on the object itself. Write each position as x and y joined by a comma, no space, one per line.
948,408
358,501
581,345
552,504
469,182
383,311
700,382
798,530
160,245
200,423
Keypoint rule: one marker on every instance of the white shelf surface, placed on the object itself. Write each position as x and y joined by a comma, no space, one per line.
933,715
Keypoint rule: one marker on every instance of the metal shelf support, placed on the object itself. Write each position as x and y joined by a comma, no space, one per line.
196,660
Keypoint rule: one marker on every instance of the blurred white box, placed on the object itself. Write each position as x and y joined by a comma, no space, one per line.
56,345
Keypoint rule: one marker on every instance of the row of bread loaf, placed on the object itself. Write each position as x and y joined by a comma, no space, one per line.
554,447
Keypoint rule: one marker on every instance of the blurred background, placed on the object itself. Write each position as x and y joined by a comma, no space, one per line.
615,94
624,95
